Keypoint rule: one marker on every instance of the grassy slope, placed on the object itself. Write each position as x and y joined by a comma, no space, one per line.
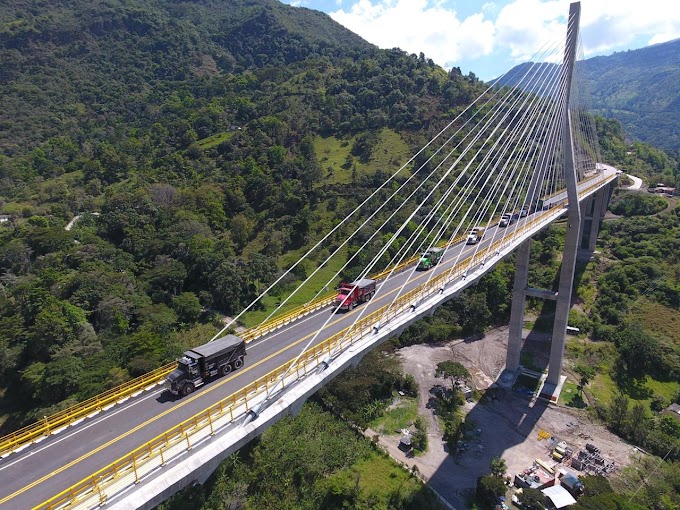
398,417
388,155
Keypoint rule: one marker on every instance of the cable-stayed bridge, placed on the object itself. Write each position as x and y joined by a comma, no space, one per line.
507,166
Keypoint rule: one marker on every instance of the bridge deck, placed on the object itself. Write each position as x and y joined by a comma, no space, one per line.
46,468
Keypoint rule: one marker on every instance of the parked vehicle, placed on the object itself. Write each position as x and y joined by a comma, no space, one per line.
430,258
475,235
355,293
198,365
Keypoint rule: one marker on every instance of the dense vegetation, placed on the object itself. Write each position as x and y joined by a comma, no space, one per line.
198,156
641,159
638,87
312,461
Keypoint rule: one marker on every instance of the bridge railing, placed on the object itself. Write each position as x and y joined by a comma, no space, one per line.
131,468
81,410
56,421
63,418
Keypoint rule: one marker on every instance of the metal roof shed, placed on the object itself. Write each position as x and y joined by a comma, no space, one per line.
559,496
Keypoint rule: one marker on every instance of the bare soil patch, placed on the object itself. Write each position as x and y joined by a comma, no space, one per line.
509,424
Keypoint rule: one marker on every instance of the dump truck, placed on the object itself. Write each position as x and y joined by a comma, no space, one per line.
430,258
205,362
475,235
355,293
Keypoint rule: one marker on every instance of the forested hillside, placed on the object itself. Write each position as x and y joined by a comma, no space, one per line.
205,144
640,89
637,87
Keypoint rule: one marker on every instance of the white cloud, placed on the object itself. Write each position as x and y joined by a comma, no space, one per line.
607,26
502,33
525,27
419,25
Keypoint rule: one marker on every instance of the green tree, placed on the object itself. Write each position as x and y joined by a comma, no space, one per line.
532,499
638,424
595,484
586,374
61,379
489,489
187,306
167,277
639,351
454,371
498,466
420,434
618,412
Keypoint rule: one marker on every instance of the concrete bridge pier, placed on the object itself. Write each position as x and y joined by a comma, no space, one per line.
595,208
510,373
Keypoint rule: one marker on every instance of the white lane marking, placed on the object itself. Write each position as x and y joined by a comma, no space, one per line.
76,431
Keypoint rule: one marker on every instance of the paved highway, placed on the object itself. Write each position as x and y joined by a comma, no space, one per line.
44,469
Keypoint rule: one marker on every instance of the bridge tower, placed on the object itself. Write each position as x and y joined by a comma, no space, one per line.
562,297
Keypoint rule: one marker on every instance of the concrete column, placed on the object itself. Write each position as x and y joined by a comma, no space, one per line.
564,297
517,309
573,236
596,219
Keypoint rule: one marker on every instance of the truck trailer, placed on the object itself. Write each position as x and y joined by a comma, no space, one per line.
355,293
202,363
430,258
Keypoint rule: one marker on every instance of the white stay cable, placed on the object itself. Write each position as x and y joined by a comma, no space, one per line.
347,217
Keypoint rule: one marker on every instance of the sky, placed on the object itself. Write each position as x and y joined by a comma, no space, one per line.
489,37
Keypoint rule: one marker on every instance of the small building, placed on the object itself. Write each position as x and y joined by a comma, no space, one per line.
4,218
536,477
405,443
672,410
573,485
559,497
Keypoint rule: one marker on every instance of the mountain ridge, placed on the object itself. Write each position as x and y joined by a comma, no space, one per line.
637,87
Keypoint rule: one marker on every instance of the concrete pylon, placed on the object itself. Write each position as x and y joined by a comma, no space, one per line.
573,234
517,312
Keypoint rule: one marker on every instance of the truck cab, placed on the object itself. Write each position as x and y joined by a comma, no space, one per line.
475,235
430,258
200,364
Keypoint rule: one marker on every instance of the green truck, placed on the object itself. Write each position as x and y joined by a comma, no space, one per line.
430,258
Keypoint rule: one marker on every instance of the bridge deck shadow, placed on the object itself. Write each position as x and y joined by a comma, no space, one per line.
507,422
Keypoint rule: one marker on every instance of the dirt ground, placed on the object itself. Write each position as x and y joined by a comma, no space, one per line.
508,425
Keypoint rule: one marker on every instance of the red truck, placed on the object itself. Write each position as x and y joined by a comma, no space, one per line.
355,293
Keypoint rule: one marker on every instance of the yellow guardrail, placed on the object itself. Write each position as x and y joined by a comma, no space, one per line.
95,488
96,484
67,416
83,409
326,299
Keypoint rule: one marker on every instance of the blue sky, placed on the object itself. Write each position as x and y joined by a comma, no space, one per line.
490,37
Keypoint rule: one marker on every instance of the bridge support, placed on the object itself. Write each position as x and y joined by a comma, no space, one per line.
551,386
508,377
596,207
